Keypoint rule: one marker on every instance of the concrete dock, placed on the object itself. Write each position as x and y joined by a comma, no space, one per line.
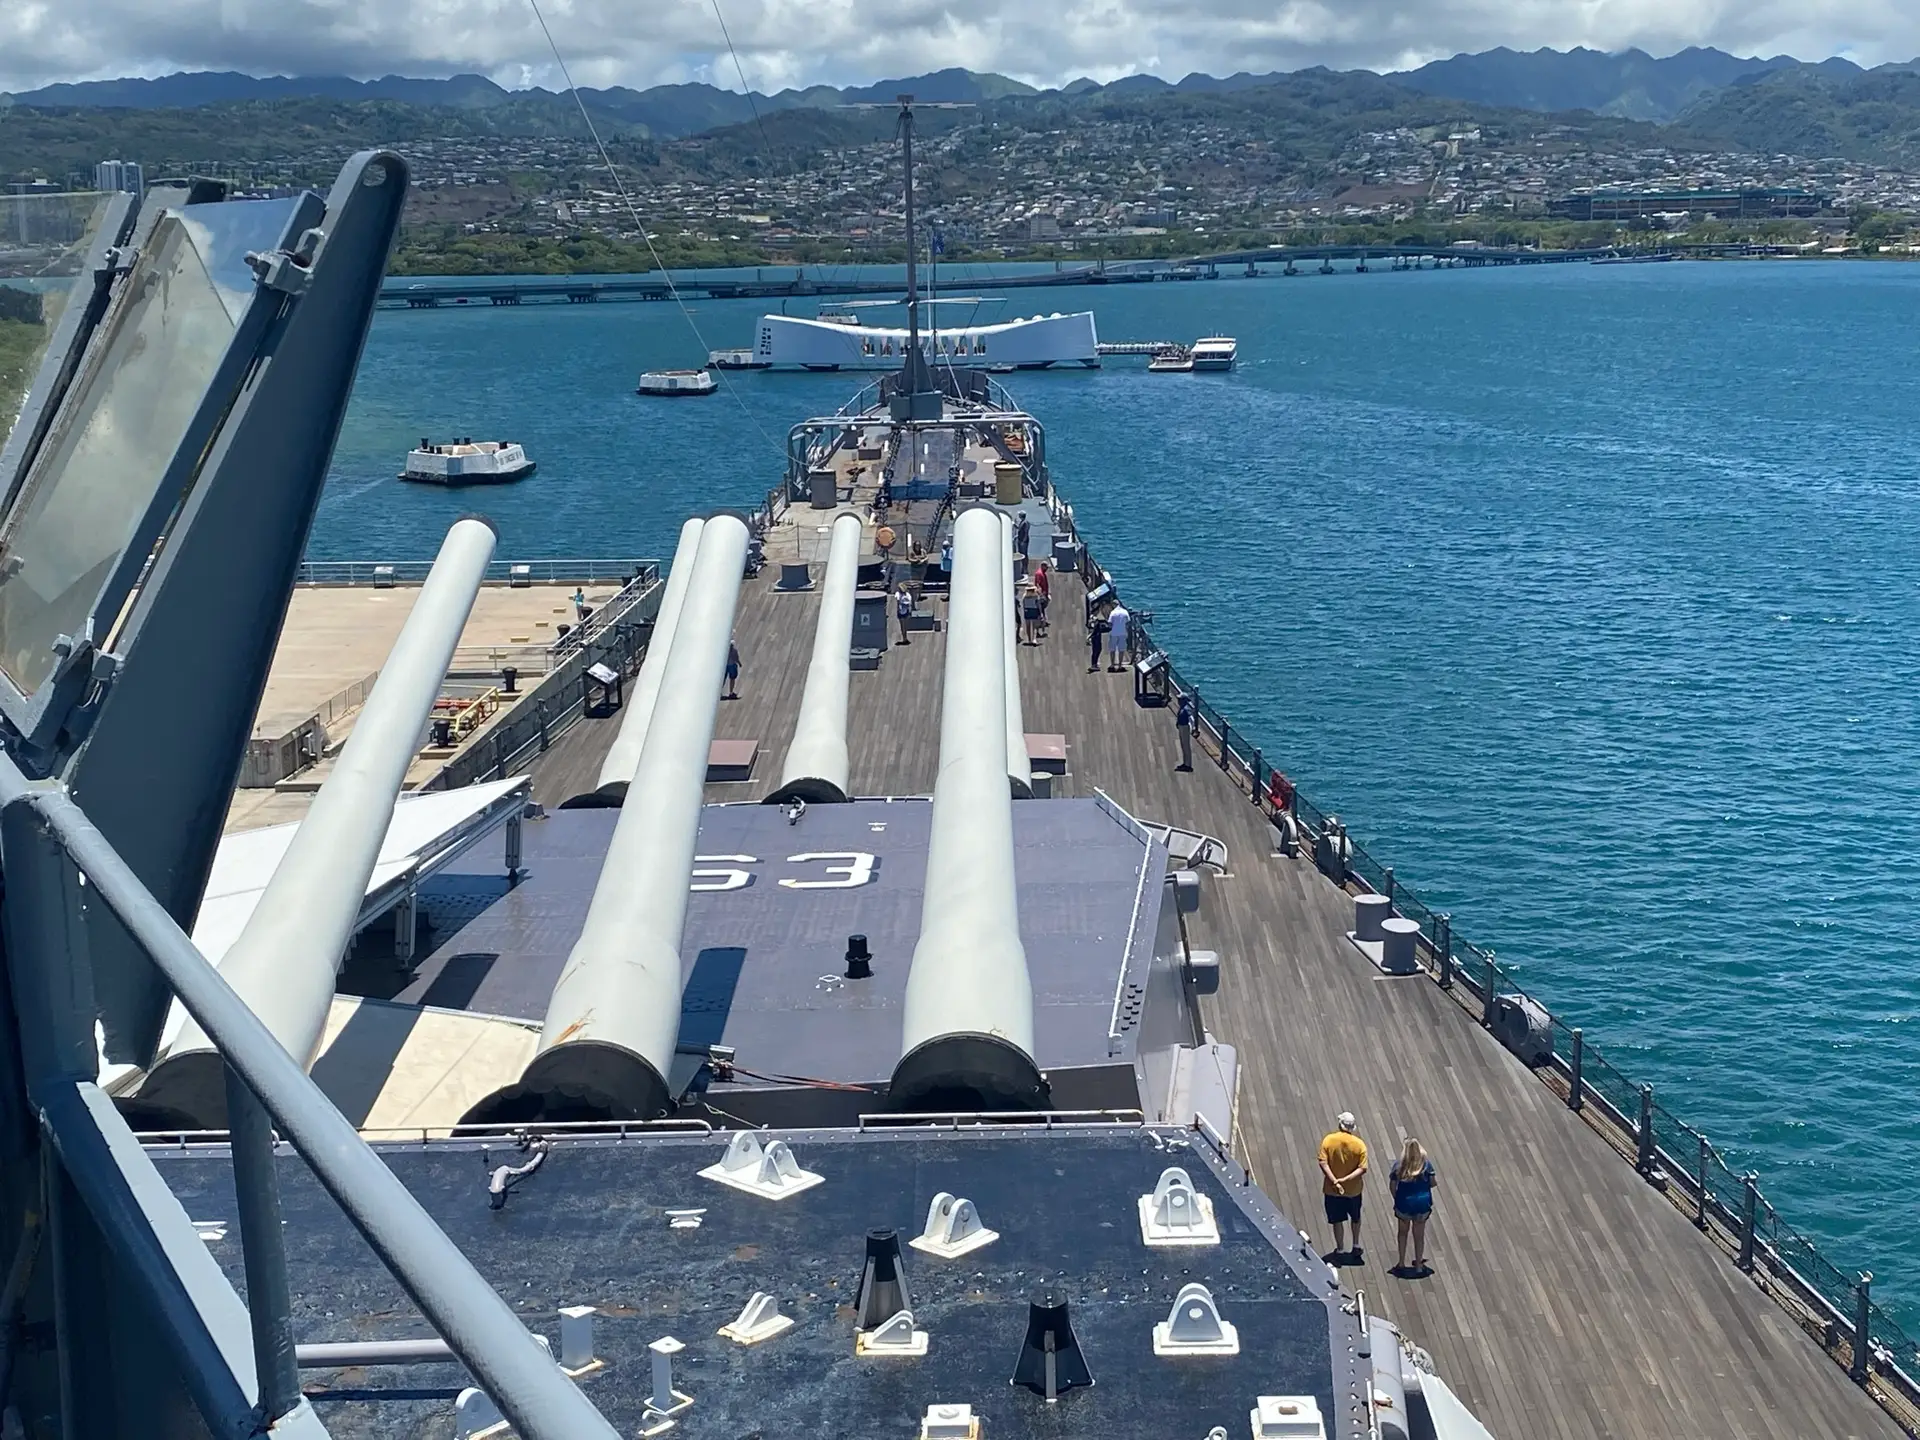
331,648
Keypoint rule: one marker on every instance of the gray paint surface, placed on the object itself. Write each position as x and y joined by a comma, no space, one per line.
591,1228
763,962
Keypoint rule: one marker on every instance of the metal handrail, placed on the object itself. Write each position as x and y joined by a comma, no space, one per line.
410,572
487,1336
1000,1119
608,613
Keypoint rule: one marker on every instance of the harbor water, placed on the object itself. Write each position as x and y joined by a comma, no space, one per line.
1585,595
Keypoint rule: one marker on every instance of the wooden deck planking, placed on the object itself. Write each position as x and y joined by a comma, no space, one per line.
1569,1299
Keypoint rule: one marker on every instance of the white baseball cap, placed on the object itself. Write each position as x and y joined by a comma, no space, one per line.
1344,1120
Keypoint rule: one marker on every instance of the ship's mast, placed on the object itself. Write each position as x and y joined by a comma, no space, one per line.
916,397
913,280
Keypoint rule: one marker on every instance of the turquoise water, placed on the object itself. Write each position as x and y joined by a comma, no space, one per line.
1585,595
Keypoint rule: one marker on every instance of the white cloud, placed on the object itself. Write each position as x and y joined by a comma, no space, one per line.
799,42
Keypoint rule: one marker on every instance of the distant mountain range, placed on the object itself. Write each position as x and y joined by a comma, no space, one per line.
1630,85
669,111
1828,108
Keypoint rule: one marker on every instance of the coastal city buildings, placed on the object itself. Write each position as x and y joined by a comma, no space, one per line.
994,184
119,175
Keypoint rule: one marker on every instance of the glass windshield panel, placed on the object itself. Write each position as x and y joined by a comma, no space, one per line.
102,462
226,233
44,241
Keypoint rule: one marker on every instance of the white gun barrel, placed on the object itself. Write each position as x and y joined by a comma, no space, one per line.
1019,767
817,764
616,771
967,1023
286,957
614,1016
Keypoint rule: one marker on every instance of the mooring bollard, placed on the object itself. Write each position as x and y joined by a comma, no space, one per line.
1369,910
1397,939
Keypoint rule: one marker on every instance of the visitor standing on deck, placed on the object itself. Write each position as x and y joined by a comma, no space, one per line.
1117,622
1030,614
580,611
1044,584
883,539
1096,637
733,671
1183,722
1343,1170
1022,534
1412,1181
903,609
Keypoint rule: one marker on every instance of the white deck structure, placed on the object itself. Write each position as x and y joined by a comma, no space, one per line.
467,462
843,343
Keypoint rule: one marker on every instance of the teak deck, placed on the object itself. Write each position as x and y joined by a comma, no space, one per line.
1569,1299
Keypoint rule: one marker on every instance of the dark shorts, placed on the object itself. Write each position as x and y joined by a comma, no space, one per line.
1400,1214
1342,1209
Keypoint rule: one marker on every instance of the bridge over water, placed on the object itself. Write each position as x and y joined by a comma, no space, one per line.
425,293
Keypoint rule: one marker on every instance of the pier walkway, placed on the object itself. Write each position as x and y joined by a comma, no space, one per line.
1569,1299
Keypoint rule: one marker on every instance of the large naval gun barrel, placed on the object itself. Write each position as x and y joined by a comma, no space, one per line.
614,1015
624,754
284,961
816,768
1019,767
967,1029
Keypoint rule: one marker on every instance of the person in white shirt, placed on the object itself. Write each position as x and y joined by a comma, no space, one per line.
1117,621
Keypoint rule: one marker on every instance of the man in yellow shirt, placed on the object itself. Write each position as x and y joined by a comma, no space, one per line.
1343,1169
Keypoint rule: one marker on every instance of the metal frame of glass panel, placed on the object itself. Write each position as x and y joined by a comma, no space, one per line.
163,367
62,355
99,847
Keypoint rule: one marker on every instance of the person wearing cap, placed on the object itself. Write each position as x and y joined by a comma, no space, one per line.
1343,1169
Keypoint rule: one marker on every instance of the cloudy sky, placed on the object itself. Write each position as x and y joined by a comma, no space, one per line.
797,42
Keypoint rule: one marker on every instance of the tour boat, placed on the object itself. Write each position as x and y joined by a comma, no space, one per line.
1215,352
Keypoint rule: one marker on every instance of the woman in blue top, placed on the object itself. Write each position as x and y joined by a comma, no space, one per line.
1412,1181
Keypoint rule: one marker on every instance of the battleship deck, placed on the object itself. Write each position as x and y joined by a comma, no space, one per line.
1569,1299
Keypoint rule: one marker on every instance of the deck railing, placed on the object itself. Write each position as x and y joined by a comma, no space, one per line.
500,572
615,636
1834,1306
